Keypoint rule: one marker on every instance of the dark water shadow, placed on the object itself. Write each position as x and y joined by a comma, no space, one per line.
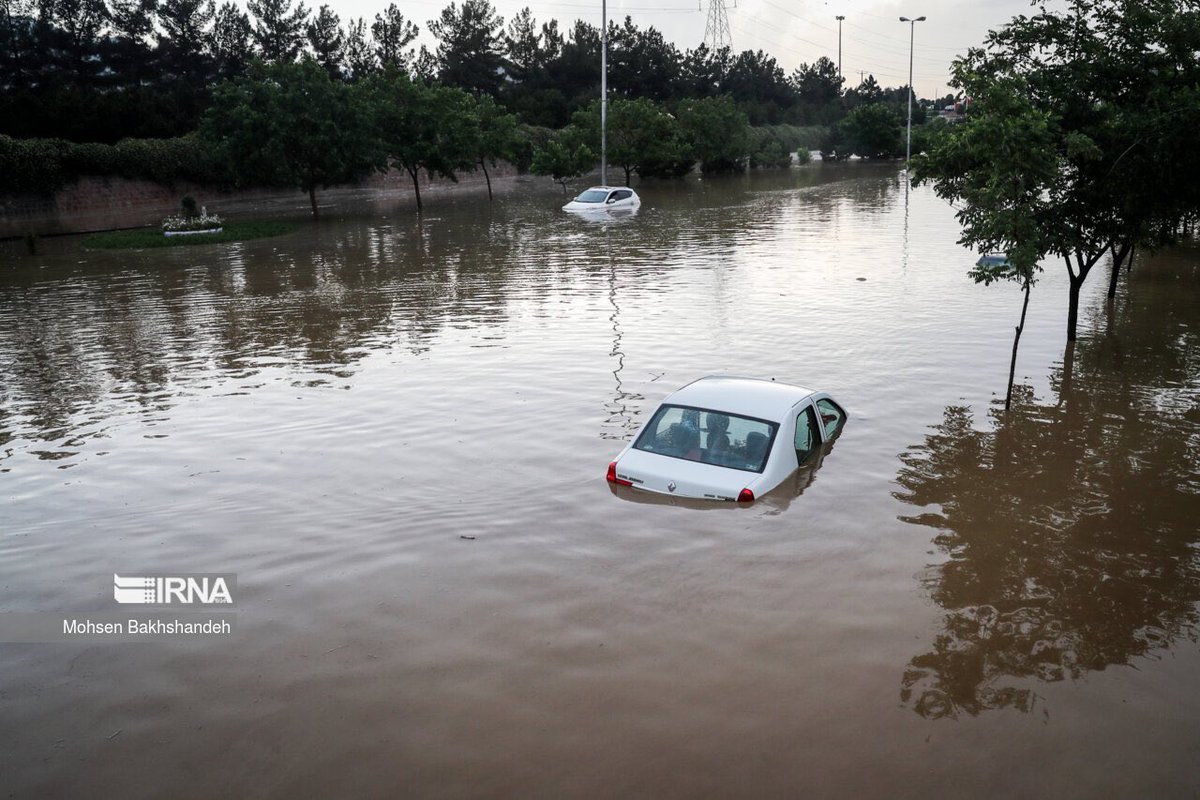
1068,525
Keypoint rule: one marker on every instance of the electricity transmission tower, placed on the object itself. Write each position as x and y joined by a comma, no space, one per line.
716,30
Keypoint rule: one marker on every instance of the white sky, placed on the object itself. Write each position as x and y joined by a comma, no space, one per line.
792,31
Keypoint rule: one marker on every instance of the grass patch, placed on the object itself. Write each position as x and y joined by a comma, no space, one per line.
153,237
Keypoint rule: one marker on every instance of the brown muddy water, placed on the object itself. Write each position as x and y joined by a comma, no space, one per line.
956,603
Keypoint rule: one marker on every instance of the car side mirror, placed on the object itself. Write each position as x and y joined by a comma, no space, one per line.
611,200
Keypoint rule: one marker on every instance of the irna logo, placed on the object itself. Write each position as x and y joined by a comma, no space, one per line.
186,590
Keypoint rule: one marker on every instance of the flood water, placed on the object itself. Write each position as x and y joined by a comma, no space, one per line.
956,602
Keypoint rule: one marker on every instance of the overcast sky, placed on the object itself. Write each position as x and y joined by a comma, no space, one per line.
874,41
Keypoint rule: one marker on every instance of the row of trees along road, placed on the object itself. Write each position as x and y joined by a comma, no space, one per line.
1079,141
291,124
103,70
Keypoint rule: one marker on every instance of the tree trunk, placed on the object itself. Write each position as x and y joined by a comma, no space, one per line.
1012,367
416,186
312,199
1077,280
627,172
1118,256
486,177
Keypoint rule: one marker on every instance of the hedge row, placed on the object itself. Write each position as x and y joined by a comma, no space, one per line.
42,166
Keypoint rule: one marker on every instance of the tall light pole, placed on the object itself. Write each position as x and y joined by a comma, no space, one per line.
912,25
839,18
604,93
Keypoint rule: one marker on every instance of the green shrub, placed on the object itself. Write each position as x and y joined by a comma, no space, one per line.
43,166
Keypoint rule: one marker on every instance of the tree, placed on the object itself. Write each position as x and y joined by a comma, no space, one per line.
358,54
639,132
523,44
716,133
641,64
1080,120
290,124
185,34
81,22
393,34
229,40
563,158
327,41
470,51
278,28
420,127
818,91
495,134
758,84
870,131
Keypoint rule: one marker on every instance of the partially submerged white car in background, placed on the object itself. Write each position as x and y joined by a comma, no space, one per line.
726,438
605,198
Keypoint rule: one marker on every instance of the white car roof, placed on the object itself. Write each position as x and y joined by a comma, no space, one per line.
608,188
751,397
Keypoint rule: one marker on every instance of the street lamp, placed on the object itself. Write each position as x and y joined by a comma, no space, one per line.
839,18
604,93
912,24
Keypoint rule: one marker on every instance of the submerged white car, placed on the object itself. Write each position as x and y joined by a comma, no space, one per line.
726,438
605,198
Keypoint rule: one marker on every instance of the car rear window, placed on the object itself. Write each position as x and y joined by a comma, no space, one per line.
710,437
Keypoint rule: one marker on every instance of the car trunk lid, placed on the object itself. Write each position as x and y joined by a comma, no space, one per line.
682,478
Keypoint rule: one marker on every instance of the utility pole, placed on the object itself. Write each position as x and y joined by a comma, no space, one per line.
716,30
839,18
604,92
912,26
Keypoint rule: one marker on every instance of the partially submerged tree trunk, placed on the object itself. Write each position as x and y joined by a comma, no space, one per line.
1012,367
628,170
1077,278
1118,257
415,172
486,177
312,199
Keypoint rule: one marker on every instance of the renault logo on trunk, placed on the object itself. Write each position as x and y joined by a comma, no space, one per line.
671,486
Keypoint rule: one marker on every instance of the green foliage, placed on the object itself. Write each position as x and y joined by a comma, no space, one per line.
715,132
869,131
924,137
526,140
291,125
563,159
424,127
1080,135
42,166
470,49
153,237
769,148
639,133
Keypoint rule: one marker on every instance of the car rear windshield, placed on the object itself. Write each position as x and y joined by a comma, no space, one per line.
592,196
710,437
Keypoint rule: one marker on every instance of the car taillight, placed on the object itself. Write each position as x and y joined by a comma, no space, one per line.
746,496
612,476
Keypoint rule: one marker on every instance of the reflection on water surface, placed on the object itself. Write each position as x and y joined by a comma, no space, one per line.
1070,524
327,414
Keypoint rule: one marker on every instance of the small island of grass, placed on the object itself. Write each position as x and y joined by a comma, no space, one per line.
153,237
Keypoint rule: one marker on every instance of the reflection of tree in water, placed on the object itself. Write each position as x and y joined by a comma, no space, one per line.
1069,527
144,337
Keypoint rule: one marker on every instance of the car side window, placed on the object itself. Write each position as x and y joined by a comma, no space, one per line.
808,436
832,417
620,195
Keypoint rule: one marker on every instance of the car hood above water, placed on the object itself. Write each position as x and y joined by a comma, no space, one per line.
658,473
